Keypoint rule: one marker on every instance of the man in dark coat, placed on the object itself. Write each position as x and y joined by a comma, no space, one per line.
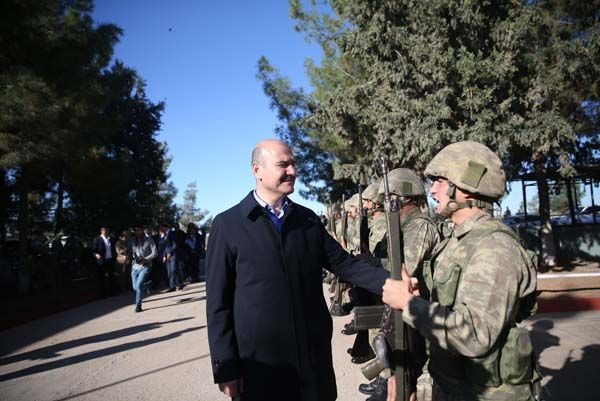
158,272
174,257
104,251
269,328
194,246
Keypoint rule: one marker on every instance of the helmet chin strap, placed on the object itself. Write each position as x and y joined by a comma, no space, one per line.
453,205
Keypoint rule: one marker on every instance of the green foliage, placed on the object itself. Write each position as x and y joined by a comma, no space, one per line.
77,131
403,79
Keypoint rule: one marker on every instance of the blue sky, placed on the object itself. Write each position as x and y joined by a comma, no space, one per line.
204,70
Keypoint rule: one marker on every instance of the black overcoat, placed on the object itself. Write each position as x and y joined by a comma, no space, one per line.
268,321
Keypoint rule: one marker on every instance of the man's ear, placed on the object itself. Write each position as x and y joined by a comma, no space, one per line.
462,196
255,167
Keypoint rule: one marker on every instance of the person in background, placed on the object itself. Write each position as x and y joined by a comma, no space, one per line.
124,259
143,251
104,252
159,268
194,247
174,257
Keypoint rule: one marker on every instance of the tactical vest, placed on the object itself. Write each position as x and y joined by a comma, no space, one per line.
510,361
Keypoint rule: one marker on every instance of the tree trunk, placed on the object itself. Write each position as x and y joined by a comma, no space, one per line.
4,200
58,213
23,225
571,202
547,249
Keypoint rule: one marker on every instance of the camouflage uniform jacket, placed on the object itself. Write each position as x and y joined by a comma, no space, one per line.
420,236
338,230
353,236
467,321
377,231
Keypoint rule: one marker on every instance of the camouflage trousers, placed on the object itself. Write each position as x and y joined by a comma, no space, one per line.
438,394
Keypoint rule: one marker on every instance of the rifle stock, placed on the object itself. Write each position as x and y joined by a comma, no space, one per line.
368,317
392,326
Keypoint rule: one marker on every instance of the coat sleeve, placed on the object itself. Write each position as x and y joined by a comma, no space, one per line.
220,292
170,243
95,246
354,270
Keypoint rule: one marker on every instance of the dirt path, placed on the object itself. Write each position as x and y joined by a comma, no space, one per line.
105,351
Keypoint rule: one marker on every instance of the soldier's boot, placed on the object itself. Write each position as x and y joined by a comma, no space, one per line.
370,388
380,393
336,309
359,360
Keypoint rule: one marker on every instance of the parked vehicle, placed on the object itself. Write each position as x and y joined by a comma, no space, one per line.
520,220
583,215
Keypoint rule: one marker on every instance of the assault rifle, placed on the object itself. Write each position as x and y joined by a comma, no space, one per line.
336,304
344,239
331,219
393,335
364,223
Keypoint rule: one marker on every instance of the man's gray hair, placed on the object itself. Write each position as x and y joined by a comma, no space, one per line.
257,155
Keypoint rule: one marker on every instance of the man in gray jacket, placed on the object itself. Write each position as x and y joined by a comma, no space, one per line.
143,251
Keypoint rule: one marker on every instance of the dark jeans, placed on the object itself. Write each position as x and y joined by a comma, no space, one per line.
138,280
175,271
194,267
158,274
106,277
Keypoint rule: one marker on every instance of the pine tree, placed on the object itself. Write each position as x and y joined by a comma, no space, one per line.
404,79
189,212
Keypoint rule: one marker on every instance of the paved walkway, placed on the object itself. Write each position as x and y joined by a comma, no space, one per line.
104,351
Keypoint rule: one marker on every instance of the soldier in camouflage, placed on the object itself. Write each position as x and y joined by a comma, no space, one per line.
420,236
482,284
373,202
353,230
419,231
338,223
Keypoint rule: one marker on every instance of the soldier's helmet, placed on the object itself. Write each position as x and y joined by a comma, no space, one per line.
403,182
371,191
470,166
351,203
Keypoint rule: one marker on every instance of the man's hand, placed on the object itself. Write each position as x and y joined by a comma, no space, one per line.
233,388
397,293
391,395
98,256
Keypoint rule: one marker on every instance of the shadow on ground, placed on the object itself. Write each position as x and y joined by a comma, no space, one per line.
48,326
577,378
44,367
54,350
